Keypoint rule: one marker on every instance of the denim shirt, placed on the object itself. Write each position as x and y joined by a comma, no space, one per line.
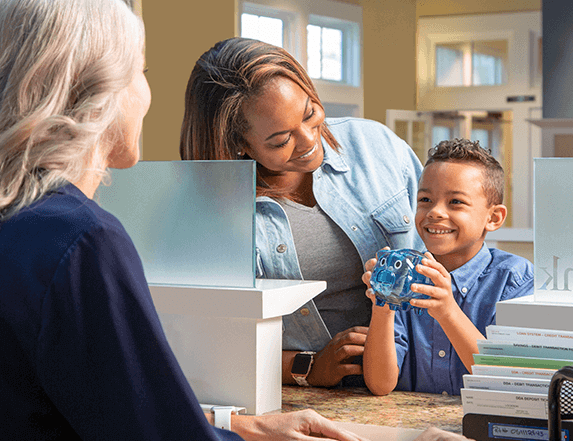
368,189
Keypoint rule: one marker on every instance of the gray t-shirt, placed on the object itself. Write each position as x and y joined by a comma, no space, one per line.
326,253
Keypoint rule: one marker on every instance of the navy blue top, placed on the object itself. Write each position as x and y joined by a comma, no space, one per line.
428,361
83,353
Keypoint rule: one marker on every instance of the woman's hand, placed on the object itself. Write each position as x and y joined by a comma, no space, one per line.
335,360
301,425
308,425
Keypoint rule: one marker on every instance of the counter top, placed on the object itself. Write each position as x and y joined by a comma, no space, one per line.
410,410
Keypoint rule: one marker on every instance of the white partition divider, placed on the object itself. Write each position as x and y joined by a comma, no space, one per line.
193,224
228,341
551,305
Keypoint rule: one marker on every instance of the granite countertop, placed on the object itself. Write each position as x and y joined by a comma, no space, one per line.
411,410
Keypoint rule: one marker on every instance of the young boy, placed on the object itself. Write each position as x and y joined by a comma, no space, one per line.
460,199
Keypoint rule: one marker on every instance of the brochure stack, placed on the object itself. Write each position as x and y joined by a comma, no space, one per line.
505,397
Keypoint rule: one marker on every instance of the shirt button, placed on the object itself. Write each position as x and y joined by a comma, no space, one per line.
442,354
282,248
406,219
464,290
305,311
444,393
354,228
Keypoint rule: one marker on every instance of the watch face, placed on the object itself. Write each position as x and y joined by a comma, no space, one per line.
301,364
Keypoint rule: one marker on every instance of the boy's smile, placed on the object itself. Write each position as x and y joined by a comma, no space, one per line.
453,214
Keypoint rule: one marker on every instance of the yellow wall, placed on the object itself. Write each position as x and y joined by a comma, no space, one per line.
177,33
389,42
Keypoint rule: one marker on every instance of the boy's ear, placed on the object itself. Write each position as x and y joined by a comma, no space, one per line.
497,216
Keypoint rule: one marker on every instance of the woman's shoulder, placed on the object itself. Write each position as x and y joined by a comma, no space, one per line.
349,123
364,131
59,218
62,228
367,139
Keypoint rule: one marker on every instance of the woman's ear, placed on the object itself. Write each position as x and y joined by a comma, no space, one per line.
243,147
497,216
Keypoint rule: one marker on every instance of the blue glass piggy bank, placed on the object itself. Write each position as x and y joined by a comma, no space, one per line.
392,276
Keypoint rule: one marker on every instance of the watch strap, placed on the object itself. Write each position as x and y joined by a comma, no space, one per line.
222,415
301,381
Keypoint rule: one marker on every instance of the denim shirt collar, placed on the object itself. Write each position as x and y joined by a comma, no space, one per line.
466,275
333,159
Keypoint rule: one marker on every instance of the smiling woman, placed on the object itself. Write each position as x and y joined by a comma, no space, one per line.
285,137
330,193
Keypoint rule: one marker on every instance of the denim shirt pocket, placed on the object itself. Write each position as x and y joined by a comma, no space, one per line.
395,219
304,330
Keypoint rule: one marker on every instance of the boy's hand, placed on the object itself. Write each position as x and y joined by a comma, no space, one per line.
369,266
442,304
459,329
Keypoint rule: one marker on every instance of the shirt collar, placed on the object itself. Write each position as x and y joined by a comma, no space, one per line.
333,159
466,275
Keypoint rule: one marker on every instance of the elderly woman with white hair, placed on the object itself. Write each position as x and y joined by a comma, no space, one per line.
83,352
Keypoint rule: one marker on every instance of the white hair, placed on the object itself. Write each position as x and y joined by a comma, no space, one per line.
63,66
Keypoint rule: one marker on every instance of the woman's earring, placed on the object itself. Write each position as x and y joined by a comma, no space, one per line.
240,155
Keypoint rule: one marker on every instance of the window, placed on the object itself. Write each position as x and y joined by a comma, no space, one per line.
324,36
481,135
488,62
324,53
449,65
267,24
259,27
441,133
333,50
472,63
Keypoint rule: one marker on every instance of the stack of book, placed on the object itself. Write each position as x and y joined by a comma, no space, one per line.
510,379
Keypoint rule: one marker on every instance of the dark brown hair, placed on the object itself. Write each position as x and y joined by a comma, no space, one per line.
464,150
223,79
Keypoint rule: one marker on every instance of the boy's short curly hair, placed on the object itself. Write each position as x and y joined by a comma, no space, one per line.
464,150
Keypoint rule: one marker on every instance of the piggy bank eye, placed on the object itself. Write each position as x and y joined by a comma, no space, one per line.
383,261
398,264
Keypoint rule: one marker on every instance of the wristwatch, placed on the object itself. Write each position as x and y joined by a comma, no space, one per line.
222,415
301,366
